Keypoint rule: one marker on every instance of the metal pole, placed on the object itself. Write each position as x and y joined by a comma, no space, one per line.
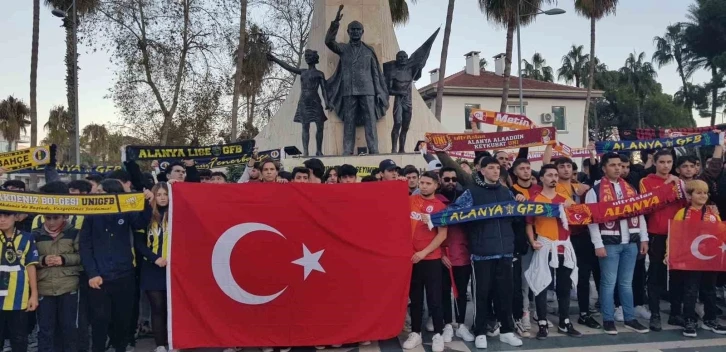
519,63
76,137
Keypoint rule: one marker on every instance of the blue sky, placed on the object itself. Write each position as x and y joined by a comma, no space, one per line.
631,29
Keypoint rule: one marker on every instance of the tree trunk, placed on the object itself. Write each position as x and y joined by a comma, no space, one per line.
686,92
507,69
238,74
34,85
70,86
591,80
714,93
442,64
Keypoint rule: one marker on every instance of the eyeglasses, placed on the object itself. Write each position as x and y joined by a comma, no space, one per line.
449,179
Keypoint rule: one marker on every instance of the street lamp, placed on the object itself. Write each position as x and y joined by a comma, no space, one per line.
64,14
550,12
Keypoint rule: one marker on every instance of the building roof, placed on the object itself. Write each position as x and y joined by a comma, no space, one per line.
489,81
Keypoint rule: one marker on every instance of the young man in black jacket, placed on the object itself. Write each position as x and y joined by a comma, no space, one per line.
491,244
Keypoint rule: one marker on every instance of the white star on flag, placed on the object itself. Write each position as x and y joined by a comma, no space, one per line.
310,261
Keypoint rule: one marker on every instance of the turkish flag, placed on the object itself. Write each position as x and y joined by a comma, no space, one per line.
288,264
698,246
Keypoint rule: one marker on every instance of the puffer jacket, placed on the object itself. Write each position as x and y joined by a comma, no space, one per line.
58,280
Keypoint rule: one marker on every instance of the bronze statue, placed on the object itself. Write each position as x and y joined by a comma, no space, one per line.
400,75
357,89
309,107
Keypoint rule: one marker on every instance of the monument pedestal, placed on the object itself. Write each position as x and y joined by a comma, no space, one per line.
375,15
362,162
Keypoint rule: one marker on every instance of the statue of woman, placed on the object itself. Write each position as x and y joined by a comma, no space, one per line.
309,107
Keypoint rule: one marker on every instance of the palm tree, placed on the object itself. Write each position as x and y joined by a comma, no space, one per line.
505,13
83,7
34,75
57,129
573,66
594,10
537,69
399,10
442,63
238,63
96,138
599,68
670,48
703,28
640,74
13,118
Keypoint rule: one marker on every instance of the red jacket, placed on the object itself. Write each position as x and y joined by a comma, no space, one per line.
658,220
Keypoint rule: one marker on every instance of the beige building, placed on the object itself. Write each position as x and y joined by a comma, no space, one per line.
546,104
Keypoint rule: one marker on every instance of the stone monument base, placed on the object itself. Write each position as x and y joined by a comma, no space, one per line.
363,162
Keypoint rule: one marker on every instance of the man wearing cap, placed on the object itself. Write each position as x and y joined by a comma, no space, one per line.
434,165
388,170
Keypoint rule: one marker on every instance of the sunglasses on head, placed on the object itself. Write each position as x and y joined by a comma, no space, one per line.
449,179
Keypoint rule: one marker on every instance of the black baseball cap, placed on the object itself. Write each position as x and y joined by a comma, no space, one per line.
387,164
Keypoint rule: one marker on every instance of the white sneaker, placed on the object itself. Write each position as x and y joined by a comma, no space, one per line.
642,312
448,333
619,314
163,349
510,339
526,322
430,325
519,329
413,341
437,343
364,343
464,333
481,341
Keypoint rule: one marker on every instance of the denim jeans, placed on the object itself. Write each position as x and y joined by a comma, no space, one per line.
57,316
618,267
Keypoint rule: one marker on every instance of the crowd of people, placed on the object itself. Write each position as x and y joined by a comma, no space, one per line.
90,283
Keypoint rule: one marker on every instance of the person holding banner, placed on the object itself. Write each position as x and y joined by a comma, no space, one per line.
695,281
108,258
616,246
491,244
552,248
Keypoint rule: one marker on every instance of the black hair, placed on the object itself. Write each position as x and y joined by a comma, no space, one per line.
399,170
205,173
410,169
518,162
432,175
487,160
605,159
112,185
170,167
317,168
369,178
574,167
95,178
375,171
14,183
446,169
300,170
347,170
219,173
121,175
624,158
586,163
82,186
479,155
564,160
686,159
58,187
284,174
544,169
326,176
660,153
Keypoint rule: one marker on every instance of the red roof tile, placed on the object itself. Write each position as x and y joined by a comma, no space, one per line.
491,80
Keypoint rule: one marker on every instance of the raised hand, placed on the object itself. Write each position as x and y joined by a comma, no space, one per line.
339,15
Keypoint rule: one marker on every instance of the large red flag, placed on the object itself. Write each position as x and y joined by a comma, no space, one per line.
699,246
288,265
